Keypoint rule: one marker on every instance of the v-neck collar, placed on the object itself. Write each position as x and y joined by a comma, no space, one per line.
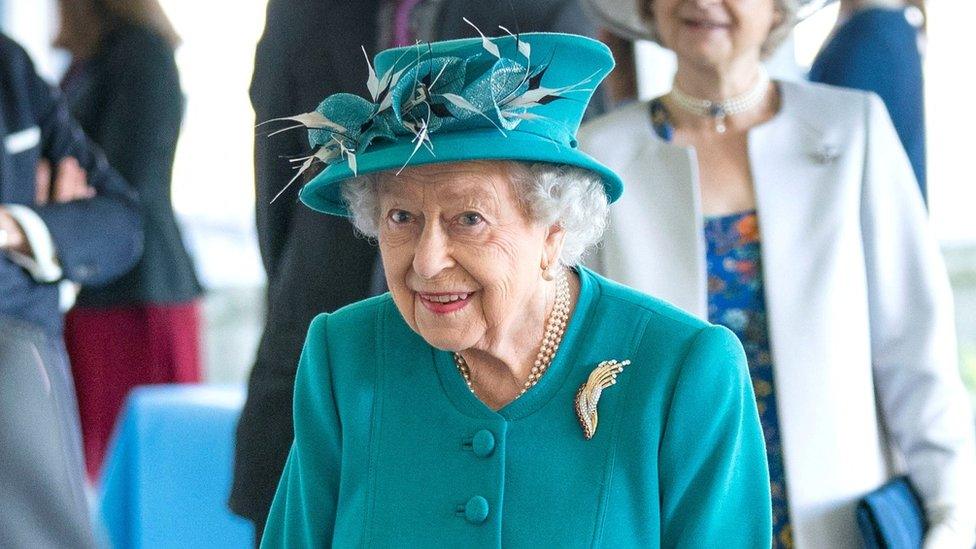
535,398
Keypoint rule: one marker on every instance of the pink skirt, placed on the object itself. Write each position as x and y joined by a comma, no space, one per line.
113,350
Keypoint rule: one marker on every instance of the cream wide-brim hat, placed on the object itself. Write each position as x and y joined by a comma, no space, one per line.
623,18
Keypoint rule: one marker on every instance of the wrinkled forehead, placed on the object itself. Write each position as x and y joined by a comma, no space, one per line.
468,182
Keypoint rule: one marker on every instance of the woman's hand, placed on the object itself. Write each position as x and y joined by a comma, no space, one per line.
68,184
12,237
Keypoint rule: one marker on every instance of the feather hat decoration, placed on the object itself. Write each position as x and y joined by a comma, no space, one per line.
512,97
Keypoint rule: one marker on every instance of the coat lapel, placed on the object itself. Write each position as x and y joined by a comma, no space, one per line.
654,233
811,244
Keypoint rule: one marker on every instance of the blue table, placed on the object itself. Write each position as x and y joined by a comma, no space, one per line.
168,471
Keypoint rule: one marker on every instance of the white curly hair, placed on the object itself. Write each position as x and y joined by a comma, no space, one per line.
550,194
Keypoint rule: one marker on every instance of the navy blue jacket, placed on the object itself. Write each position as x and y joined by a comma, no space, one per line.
877,50
97,240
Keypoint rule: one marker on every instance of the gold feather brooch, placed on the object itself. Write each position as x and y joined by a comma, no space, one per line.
588,396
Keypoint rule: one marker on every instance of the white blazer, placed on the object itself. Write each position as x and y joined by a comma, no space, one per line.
859,303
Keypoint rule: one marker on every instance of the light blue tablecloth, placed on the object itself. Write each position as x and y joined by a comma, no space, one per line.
168,471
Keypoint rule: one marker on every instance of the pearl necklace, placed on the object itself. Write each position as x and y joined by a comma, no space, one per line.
719,110
555,328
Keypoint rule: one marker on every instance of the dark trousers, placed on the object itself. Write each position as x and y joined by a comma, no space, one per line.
41,466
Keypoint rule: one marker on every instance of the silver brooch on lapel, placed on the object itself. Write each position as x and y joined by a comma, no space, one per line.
588,395
825,153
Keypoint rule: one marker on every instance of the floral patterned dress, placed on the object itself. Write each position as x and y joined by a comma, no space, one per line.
736,300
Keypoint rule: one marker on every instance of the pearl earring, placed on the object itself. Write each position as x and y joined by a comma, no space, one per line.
547,272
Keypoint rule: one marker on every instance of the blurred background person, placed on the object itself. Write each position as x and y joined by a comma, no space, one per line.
317,263
124,89
875,46
83,226
789,213
313,263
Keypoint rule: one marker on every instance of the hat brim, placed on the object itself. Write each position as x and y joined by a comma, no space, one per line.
622,17
324,192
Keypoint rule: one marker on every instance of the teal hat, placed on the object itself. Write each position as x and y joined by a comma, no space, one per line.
504,98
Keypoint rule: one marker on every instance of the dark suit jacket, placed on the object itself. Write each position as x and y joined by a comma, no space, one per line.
97,240
127,98
877,50
315,263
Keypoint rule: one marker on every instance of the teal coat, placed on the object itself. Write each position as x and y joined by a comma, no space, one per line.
392,449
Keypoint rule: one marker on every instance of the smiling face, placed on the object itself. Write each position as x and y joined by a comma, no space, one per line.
462,258
713,32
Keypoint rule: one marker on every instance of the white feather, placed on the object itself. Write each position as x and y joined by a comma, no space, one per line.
463,103
372,83
421,137
391,78
531,98
312,120
460,102
323,154
489,46
522,115
523,47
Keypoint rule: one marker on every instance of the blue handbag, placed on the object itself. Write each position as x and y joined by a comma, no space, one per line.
892,517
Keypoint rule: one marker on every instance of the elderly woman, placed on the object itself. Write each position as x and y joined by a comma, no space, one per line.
789,213
501,394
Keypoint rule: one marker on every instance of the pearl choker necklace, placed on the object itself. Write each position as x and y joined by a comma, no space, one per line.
719,110
555,328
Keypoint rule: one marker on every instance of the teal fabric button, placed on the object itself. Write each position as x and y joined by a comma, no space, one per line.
476,510
483,443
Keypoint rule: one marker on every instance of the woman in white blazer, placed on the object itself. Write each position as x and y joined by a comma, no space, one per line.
789,212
